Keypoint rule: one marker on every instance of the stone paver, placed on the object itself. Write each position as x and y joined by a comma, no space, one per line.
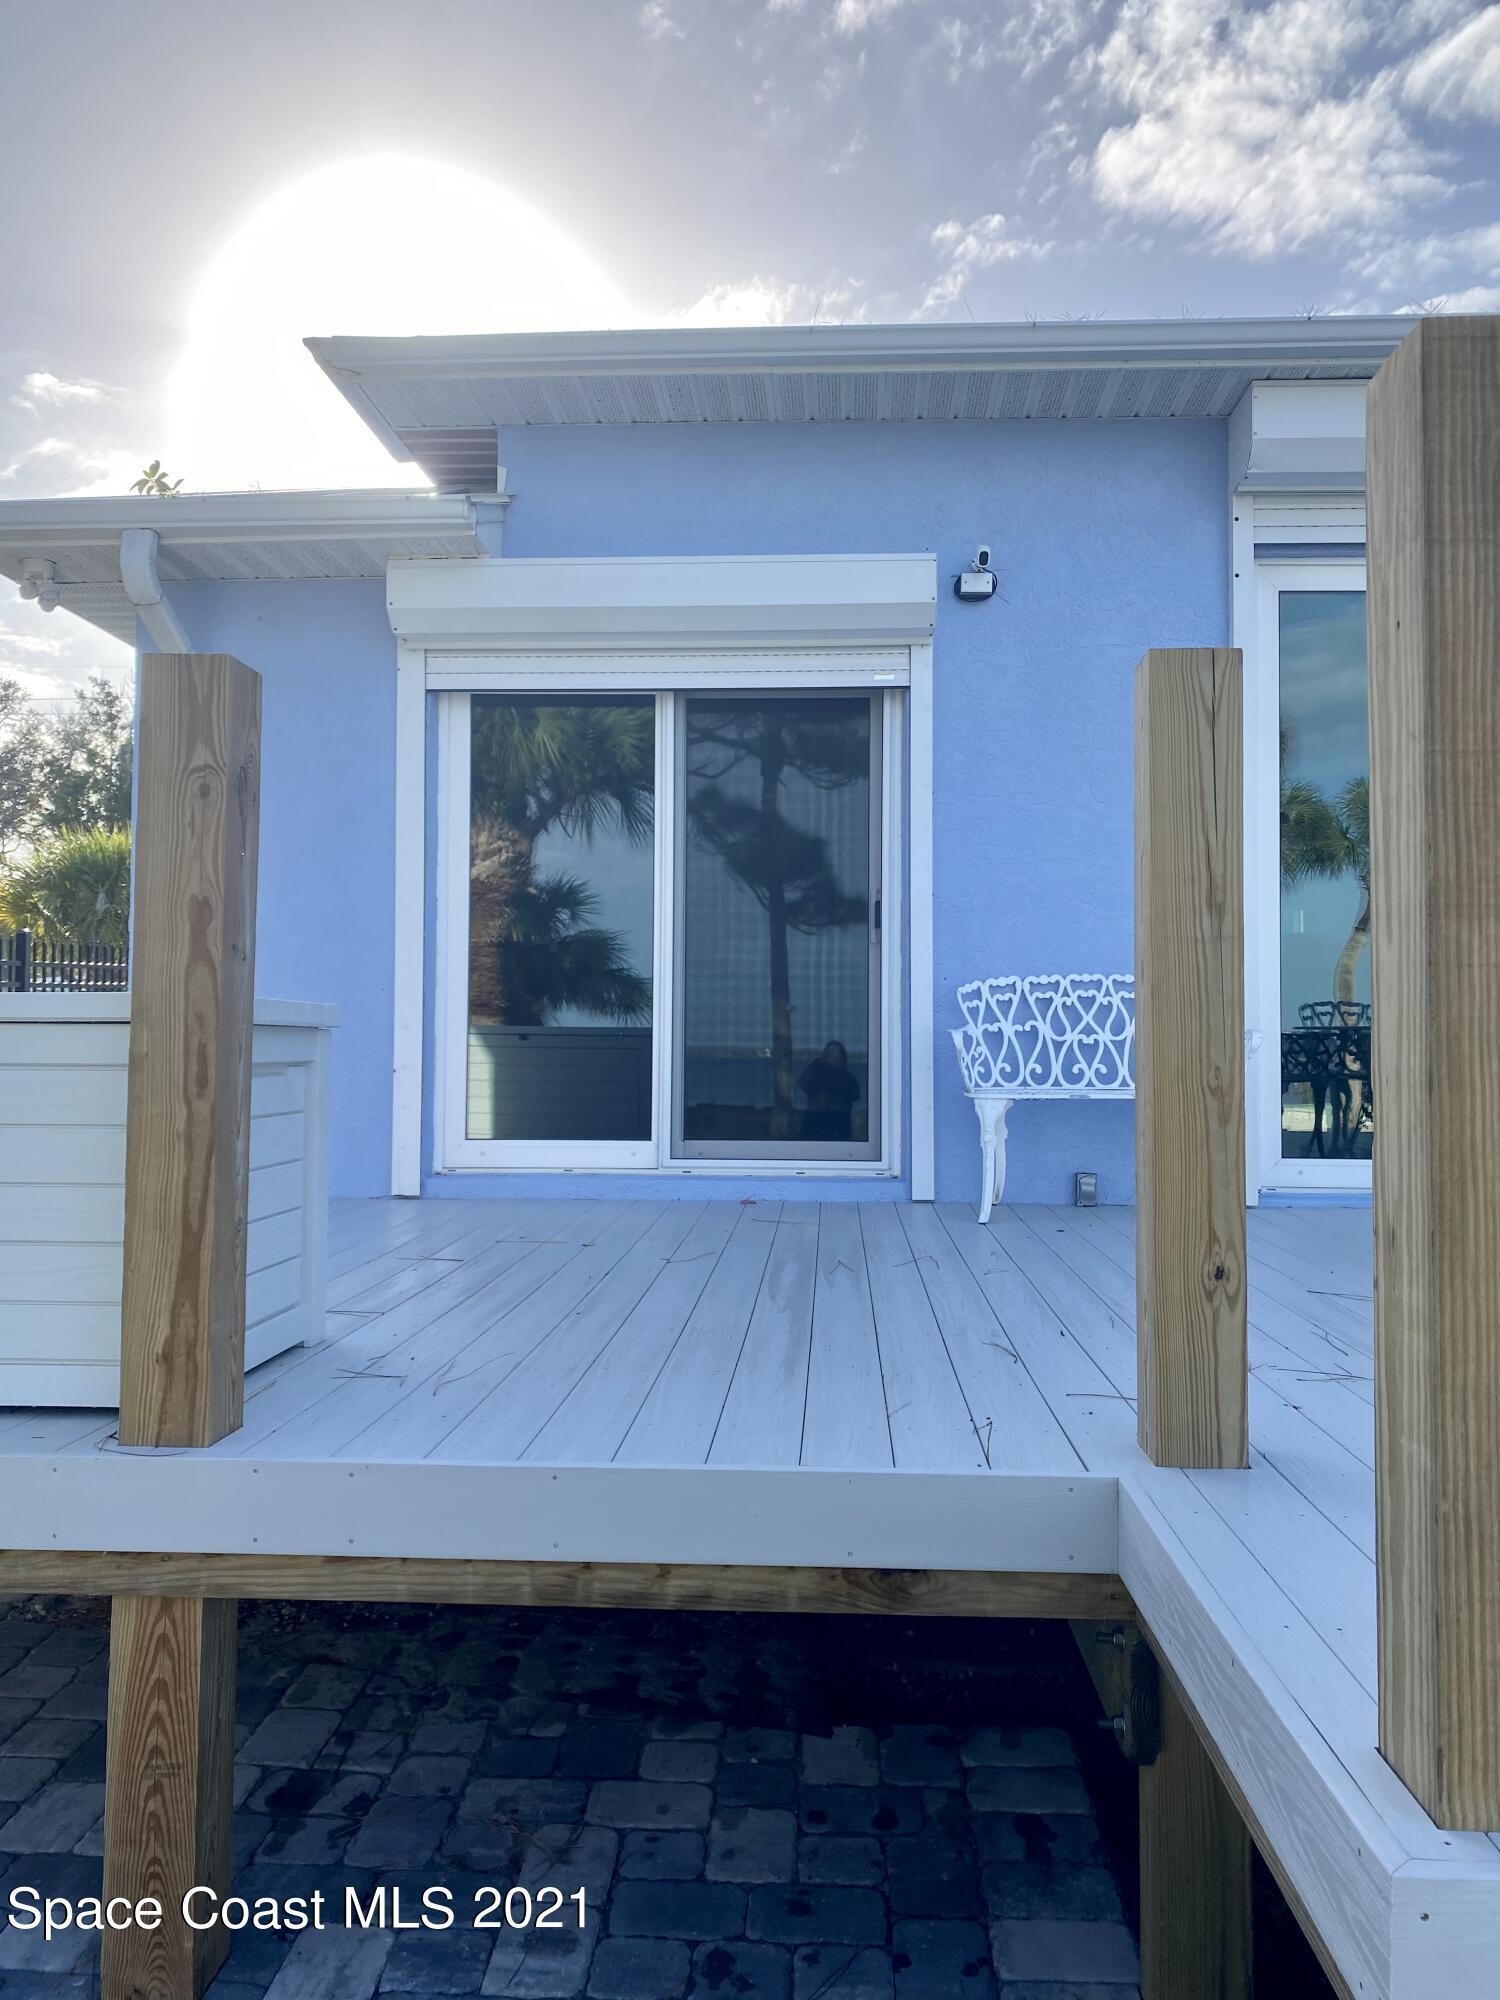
940,1961
643,1803
855,1859
639,1969
735,1835
845,1756
842,1972
677,1910
662,1857
751,1844
1015,1788
917,1755
1045,1948
817,1915
747,1971
680,1763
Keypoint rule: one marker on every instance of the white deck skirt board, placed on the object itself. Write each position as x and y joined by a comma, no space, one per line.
600,1514
880,1385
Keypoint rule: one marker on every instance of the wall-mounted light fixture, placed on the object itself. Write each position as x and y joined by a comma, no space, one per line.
977,582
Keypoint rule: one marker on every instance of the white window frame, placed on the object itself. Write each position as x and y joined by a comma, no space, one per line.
1269,1170
457,677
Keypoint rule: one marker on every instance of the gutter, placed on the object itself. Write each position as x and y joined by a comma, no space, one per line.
142,585
348,360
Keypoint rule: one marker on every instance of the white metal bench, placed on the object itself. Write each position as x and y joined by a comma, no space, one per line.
1041,1035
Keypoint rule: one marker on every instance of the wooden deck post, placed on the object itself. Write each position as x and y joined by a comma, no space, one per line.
170,1760
168,1788
1434,529
1196,1933
182,1321
1190,1059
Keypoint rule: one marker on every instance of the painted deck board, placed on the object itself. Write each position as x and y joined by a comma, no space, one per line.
846,1420
688,1390
761,1422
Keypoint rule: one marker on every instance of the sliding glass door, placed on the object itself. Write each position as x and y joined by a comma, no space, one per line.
667,910
778,916
1317,1113
562,797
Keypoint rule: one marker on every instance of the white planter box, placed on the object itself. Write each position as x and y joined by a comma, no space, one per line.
63,1063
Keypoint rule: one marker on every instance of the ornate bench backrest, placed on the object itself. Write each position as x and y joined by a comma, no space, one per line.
1064,1034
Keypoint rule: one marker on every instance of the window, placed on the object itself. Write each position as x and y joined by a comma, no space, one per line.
1311,854
663,926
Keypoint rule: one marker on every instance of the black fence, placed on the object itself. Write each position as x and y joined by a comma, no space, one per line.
42,965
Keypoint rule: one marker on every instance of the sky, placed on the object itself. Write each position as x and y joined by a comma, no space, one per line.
193,185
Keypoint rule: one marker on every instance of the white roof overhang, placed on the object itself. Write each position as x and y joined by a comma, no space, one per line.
75,545
439,400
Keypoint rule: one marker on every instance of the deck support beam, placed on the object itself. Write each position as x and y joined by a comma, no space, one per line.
168,1789
1196,1931
1190,1059
1434,528
187,1143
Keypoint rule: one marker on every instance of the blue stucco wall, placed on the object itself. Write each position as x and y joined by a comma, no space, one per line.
327,828
1108,538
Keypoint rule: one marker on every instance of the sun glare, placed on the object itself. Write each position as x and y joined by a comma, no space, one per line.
382,245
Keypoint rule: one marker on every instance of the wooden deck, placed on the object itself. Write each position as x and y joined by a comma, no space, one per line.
848,1384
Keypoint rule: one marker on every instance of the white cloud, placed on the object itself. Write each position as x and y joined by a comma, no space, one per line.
770,302
1024,36
656,19
69,468
52,654
42,390
1250,126
852,17
1458,76
1409,267
968,247
1477,299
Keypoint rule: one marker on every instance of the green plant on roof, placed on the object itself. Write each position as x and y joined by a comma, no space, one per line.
154,483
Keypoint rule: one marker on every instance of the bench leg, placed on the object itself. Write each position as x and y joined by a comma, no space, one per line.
992,1113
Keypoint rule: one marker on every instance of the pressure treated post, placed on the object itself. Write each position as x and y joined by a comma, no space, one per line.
1190,1058
170,1759
187,1144
168,1789
1434,529
1196,1931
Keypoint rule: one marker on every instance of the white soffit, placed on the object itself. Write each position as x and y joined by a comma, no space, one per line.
1290,437
630,602
432,399
227,538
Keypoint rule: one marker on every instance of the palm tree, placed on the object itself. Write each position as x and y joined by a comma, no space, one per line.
74,885
550,955
583,768
1323,839
580,766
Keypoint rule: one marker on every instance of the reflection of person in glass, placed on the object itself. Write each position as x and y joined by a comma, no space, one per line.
830,1087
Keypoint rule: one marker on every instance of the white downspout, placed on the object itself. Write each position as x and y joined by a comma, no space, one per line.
142,585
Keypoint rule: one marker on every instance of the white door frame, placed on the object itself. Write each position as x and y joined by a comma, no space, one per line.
1269,1170
868,671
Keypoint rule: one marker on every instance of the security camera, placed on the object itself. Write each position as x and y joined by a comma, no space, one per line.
978,582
